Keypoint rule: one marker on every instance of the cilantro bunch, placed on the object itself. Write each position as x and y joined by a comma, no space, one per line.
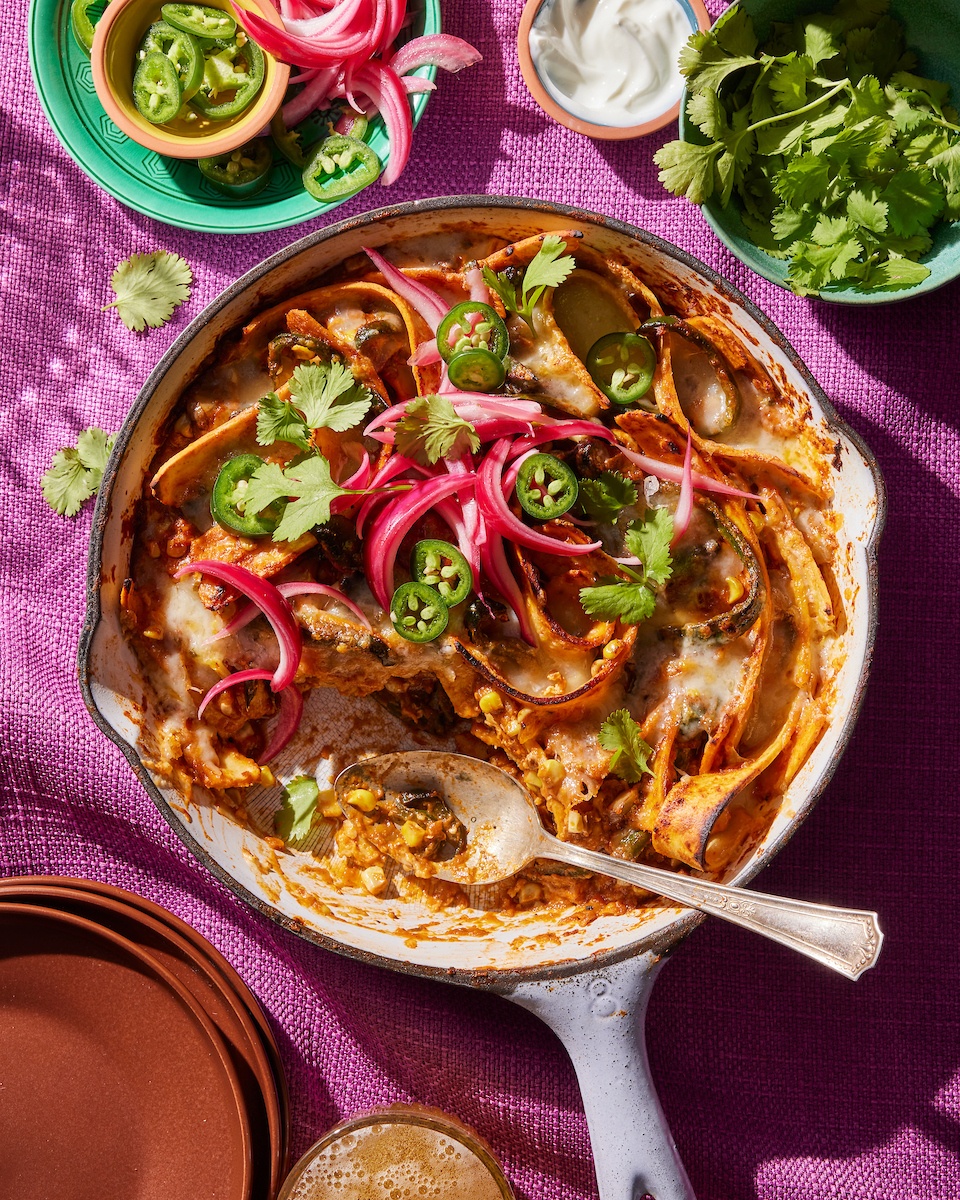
840,158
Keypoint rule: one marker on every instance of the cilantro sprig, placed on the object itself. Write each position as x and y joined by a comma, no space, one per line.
322,396
308,488
632,599
621,734
76,471
148,287
547,269
431,429
840,158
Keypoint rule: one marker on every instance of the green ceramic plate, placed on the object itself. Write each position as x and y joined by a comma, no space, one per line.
170,190
933,31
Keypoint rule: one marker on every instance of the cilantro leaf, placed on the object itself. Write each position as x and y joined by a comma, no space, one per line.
306,485
500,283
897,273
650,542
618,600
431,429
620,734
328,395
633,599
75,472
294,819
914,200
603,497
687,169
149,287
93,448
279,421
547,268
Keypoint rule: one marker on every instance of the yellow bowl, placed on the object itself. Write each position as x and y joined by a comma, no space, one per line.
114,59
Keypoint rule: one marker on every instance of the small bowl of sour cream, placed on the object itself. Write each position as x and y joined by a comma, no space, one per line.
607,68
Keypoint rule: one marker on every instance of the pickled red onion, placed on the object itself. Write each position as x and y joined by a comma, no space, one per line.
426,302
500,518
274,606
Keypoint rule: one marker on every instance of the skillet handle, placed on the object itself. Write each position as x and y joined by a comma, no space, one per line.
599,1017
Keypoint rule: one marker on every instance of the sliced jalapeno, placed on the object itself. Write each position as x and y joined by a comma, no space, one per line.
227,499
156,89
352,124
241,173
459,331
476,371
199,20
418,612
546,487
441,565
229,68
341,166
288,141
82,24
182,50
622,365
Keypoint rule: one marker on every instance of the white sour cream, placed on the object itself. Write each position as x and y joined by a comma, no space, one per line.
611,62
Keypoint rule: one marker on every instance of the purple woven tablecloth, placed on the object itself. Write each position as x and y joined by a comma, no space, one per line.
780,1080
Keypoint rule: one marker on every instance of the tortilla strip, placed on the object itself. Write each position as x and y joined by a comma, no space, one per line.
685,822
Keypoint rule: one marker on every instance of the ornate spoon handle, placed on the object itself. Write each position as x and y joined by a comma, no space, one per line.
847,940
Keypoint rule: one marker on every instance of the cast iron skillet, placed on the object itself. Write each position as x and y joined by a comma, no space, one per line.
590,983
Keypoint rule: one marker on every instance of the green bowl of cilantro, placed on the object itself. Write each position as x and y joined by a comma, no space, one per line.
822,141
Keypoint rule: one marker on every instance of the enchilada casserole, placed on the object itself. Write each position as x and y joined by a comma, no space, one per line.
534,510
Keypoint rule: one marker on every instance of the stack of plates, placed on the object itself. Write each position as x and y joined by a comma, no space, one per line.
134,1062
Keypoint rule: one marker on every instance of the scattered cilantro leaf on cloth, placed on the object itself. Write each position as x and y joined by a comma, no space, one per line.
632,597
620,734
294,818
149,287
75,472
840,157
431,429
308,488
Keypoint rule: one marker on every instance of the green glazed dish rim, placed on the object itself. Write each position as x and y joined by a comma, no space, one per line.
933,31
169,190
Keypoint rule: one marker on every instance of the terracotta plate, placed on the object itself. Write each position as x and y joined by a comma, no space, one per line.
116,1086
192,963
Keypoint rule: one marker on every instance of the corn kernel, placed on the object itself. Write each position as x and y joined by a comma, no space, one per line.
412,834
612,649
552,771
373,879
533,781
735,589
575,822
490,702
529,893
267,777
361,798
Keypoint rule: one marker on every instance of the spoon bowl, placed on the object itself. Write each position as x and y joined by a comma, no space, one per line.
502,834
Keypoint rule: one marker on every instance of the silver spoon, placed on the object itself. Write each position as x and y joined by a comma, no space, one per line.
504,834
